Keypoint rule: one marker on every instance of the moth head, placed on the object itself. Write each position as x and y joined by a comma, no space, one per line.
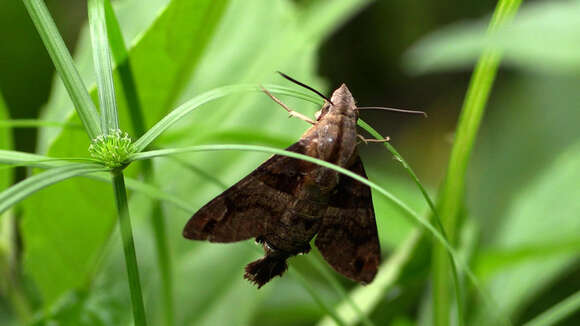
341,102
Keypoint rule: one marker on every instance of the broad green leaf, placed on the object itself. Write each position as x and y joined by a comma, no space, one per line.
542,215
543,38
162,59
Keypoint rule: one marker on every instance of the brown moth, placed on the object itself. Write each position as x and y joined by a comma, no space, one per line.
286,202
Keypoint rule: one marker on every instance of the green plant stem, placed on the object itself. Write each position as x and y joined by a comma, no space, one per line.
129,249
452,192
125,71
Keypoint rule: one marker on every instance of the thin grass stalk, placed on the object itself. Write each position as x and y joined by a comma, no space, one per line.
125,71
123,61
452,192
129,249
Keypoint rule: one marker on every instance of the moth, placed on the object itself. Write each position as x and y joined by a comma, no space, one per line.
286,202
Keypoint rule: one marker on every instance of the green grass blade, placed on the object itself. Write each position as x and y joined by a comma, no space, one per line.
64,66
11,159
451,196
103,66
125,70
184,109
28,186
28,159
558,312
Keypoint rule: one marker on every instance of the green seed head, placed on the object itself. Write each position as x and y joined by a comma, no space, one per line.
112,149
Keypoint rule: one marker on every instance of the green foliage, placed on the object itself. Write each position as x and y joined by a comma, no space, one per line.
161,64
516,219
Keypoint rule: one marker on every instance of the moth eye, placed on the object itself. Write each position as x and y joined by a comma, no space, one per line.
318,114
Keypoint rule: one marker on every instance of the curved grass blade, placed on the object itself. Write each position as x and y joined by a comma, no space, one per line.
103,66
557,312
28,186
406,210
451,196
332,280
64,65
185,108
121,57
27,159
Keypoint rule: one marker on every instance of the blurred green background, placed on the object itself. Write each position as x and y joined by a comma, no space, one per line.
520,228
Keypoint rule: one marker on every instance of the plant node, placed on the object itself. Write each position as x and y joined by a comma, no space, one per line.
112,149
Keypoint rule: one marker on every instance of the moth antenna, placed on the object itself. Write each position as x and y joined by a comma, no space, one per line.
305,86
391,109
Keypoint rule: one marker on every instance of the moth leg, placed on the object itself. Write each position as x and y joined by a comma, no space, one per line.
290,111
370,140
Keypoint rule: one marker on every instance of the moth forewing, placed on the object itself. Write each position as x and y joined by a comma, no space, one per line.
286,202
